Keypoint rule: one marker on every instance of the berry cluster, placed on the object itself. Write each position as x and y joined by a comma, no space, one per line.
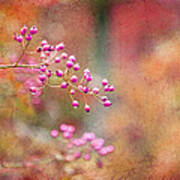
83,146
57,65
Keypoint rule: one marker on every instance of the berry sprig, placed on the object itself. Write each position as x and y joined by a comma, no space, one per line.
82,147
58,69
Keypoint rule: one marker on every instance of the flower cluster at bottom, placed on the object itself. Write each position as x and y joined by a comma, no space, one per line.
82,147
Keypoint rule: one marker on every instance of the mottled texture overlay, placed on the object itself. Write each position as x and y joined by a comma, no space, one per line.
135,44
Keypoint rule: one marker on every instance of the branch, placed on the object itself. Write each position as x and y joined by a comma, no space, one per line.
9,66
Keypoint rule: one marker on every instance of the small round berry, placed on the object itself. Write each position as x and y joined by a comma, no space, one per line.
80,87
64,55
24,30
99,164
76,67
85,89
57,59
104,82
43,42
67,134
64,85
43,68
46,47
15,36
74,79
39,49
54,133
110,148
63,127
106,88
33,30
28,37
19,38
69,64
107,103
75,103
104,98
87,71
49,73
60,46
33,89
88,136
72,91
87,108
86,157
42,56
72,58
103,151
95,90
111,88
42,77
71,129
89,78
59,73
97,143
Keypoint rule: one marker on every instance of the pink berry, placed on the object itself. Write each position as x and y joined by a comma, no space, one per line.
28,37
60,46
43,68
104,98
64,85
42,56
59,73
75,103
102,151
63,127
15,36
107,103
33,30
89,136
67,135
49,73
76,67
106,88
85,89
99,164
74,79
80,87
54,133
86,157
72,58
104,82
72,91
86,71
95,90
97,143
19,38
24,30
57,59
46,47
89,78
87,108
64,55
69,64
44,42
42,77
110,148
33,89
111,88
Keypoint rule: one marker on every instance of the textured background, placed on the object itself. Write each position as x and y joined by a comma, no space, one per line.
136,45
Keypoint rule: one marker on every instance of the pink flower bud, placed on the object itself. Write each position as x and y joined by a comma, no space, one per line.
74,79
33,89
104,98
76,67
104,82
59,46
57,59
95,90
86,157
59,73
97,143
54,133
107,103
72,58
49,73
46,47
77,154
85,89
102,151
28,37
87,108
106,88
64,85
99,164
19,38
89,78
110,148
71,129
75,103
69,64
89,136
